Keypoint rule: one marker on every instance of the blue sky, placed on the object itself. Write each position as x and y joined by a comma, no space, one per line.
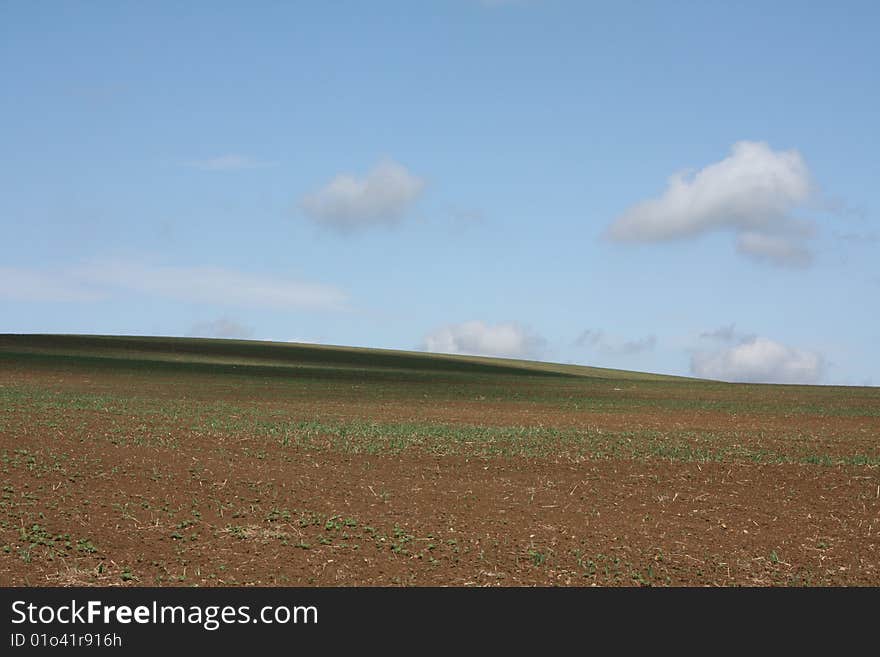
680,187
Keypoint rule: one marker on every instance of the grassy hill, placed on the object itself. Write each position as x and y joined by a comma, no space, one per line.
264,357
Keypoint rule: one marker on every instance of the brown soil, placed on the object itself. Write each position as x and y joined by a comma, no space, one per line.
231,510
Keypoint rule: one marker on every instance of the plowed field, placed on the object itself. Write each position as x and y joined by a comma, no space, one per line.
135,462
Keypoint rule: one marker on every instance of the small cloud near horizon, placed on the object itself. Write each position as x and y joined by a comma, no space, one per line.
350,202
222,327
727,333
18,284
599,340
755,359
477,338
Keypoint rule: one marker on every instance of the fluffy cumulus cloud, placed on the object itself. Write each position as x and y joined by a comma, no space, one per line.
606,344
753,192
349,202
205,285
222,327
754,359
477,338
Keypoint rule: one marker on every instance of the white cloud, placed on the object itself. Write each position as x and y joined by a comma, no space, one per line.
612,345
209,285
228,163
777,249
727,333
30,285
506,339
759,360
349,202
213,285
752,192
222,327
